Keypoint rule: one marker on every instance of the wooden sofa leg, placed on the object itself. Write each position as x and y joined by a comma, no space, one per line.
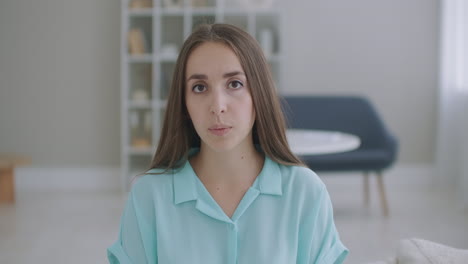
383,198
366,189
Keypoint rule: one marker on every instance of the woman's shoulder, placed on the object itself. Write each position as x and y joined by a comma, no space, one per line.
152,180
301,178
300,173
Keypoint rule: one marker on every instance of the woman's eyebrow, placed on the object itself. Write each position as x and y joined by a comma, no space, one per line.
197,77
204,77
234,73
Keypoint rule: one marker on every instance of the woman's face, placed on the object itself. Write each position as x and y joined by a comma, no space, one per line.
218,98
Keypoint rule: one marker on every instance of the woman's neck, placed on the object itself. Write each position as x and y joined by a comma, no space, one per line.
239,166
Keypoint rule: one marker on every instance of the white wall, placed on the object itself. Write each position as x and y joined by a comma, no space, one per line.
59,81
386,50
59,71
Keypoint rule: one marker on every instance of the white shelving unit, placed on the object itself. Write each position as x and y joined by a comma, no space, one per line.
146,73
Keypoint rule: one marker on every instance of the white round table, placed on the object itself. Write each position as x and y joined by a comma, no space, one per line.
315,142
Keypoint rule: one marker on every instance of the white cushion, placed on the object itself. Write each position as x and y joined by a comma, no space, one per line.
415,251
388,261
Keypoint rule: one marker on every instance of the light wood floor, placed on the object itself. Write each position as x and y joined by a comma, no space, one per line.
78,227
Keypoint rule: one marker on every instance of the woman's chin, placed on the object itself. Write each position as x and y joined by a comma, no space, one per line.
220,147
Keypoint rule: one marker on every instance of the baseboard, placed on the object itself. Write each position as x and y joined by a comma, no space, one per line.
67,179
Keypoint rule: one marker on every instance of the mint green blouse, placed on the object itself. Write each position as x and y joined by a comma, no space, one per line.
285,217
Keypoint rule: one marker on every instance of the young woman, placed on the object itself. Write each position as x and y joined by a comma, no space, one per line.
224,187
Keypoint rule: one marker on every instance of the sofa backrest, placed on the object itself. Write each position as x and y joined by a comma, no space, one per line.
349,114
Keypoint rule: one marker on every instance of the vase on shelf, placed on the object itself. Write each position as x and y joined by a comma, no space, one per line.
199,3
172,3
136,41
140,96
139,4
140,134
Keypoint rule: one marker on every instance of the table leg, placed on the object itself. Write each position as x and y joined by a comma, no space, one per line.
7,185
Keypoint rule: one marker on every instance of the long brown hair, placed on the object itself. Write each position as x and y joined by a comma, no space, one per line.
269,131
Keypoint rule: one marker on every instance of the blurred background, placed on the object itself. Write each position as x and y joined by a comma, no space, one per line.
65,83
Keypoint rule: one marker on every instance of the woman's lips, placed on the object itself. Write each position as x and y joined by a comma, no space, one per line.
220,131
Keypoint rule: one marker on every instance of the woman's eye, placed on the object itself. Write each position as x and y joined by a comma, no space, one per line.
235,85
198,88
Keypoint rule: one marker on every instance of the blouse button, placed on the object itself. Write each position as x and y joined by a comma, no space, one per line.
234,227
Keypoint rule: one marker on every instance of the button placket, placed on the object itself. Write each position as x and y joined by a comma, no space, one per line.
233,234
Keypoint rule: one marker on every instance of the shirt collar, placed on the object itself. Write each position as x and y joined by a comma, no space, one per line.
269,179
185,189
184,184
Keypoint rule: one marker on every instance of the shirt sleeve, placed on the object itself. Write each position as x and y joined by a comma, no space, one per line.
322,239
137,237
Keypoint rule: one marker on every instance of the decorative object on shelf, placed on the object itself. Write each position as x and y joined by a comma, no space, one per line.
266,41
138,4
140,136
136,41
140,96
172,3
141,143
199,3
147,124
170,50
256,4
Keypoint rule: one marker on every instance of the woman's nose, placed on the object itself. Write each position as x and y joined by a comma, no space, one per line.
218,103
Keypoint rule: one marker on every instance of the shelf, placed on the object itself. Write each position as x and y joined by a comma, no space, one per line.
151,42
202,11
139,58
245,11
172,11
140,12
139,105
203,3
175,11
140,151
168,58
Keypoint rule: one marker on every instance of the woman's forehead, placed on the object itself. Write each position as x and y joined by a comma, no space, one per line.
212,58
